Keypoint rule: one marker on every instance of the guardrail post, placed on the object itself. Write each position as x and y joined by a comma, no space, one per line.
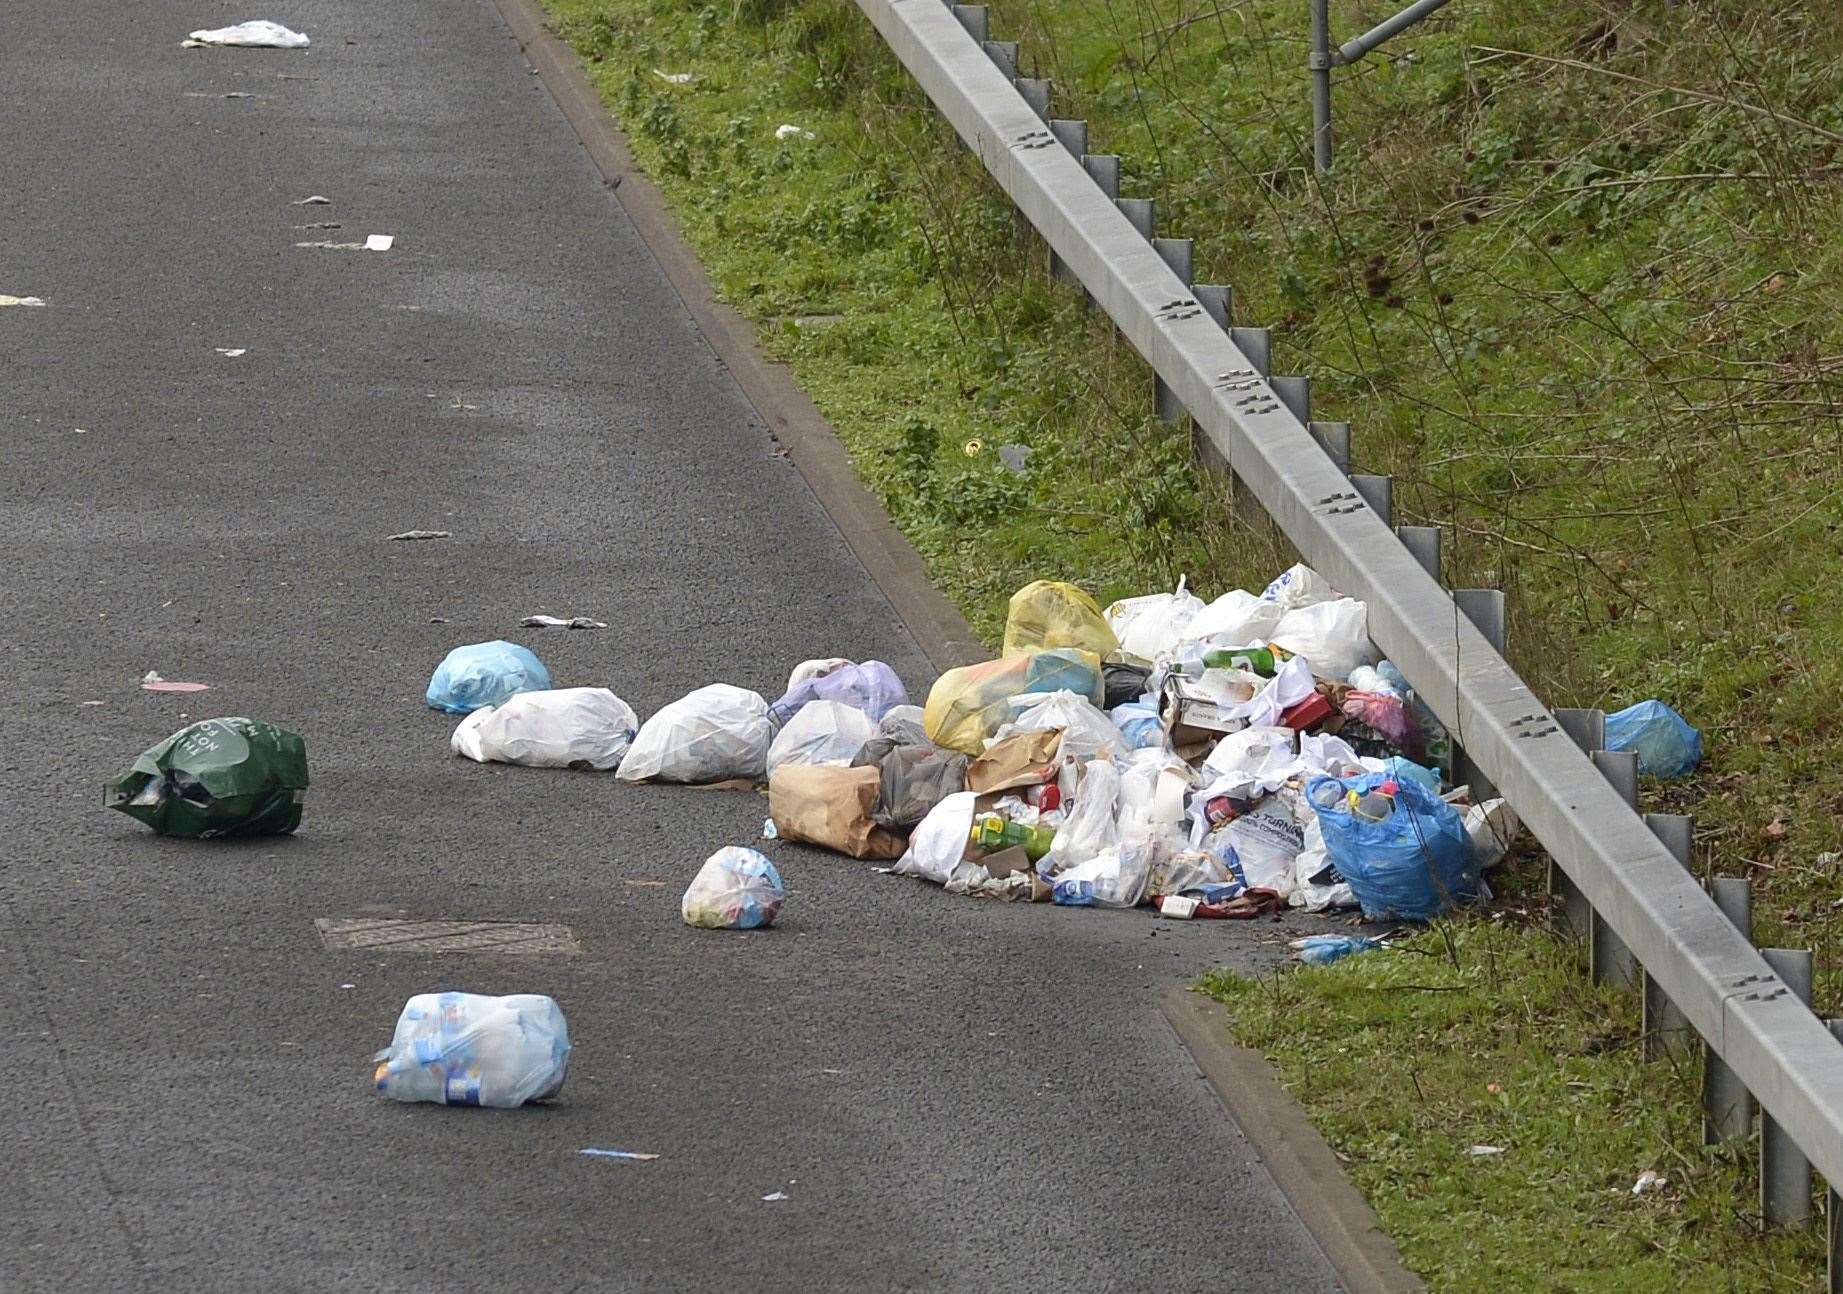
1833,1205
1072,135
1257,345
1035,93
1378,492
1785,1173
1296,394
1334,439
1727,1105
1587,729
1003,54
1176,253
1608,959
1485,609
1424,543
975,18
1667,1032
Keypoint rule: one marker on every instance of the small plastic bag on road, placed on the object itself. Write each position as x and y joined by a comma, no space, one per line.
871,687
709,735
832,807
571,727
487,673
221,777
1667,745
1049,613
735,889
1413,864
824,732
258,33
470,1049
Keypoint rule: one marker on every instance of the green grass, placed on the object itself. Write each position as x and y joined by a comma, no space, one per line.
1483,1034
1575,285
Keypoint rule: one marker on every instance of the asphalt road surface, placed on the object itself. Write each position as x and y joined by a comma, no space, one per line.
951,1093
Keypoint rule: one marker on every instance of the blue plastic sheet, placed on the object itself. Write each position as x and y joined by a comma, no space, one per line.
1412,865
1667,746
484,674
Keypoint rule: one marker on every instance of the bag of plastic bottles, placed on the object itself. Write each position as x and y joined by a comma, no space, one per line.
1049,613
1412,864
1666,744
469,1049
968,704
710,735
824,732
570,727
735,889
484,674
221,777
871,687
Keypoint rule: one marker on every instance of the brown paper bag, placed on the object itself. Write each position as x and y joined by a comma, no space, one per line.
1022,759
826,805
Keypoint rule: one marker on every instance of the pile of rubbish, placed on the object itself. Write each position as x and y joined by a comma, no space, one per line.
1207,760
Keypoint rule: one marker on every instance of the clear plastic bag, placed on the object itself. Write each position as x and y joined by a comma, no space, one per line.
824,732
1153,626
807,670
1666,744
468,1049
1048,613
871,687
710,735
571,727
735,889
1235,619
1298,586
968,704
1087,733
1412,865
484,674
1092,828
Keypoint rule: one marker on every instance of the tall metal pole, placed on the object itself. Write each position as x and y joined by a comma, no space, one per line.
1319,60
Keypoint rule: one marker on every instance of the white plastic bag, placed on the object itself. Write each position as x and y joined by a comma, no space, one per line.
939,844
714,733
1333,636
1253,762
562,728
1317,886
467,1049
1298,586
1491,827
823,732
735,889
1152,626
1267,841
1236,619
259,32
1087,732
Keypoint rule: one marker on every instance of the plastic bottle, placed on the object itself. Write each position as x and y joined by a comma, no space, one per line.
991,832
1374,805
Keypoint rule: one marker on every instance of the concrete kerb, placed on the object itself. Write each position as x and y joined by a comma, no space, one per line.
931,618
1301,1164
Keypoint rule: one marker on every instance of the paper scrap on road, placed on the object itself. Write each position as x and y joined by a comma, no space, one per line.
233,351
599,1153
372,243
6,300
379,242
425,534
152,682
558,622
320,224
258,33
778,1195
312,200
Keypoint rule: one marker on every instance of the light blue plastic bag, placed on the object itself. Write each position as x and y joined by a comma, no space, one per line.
484,674
1412,865
1138,723
1667,746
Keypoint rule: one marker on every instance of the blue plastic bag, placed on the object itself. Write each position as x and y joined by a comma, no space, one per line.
484,674
1667,746
1412,865
1322,950
871,687
1138,723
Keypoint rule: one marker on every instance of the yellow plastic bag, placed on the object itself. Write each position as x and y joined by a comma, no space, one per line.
1049,613
969,704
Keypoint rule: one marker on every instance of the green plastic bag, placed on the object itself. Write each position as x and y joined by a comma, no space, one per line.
222,777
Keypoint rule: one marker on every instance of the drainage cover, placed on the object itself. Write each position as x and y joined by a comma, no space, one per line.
411,935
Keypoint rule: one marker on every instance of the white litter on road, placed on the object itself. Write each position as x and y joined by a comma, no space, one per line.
429,534
20,301
558,622
372,243
379,242
257,33
313,200
778,1195
791,131
233,352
